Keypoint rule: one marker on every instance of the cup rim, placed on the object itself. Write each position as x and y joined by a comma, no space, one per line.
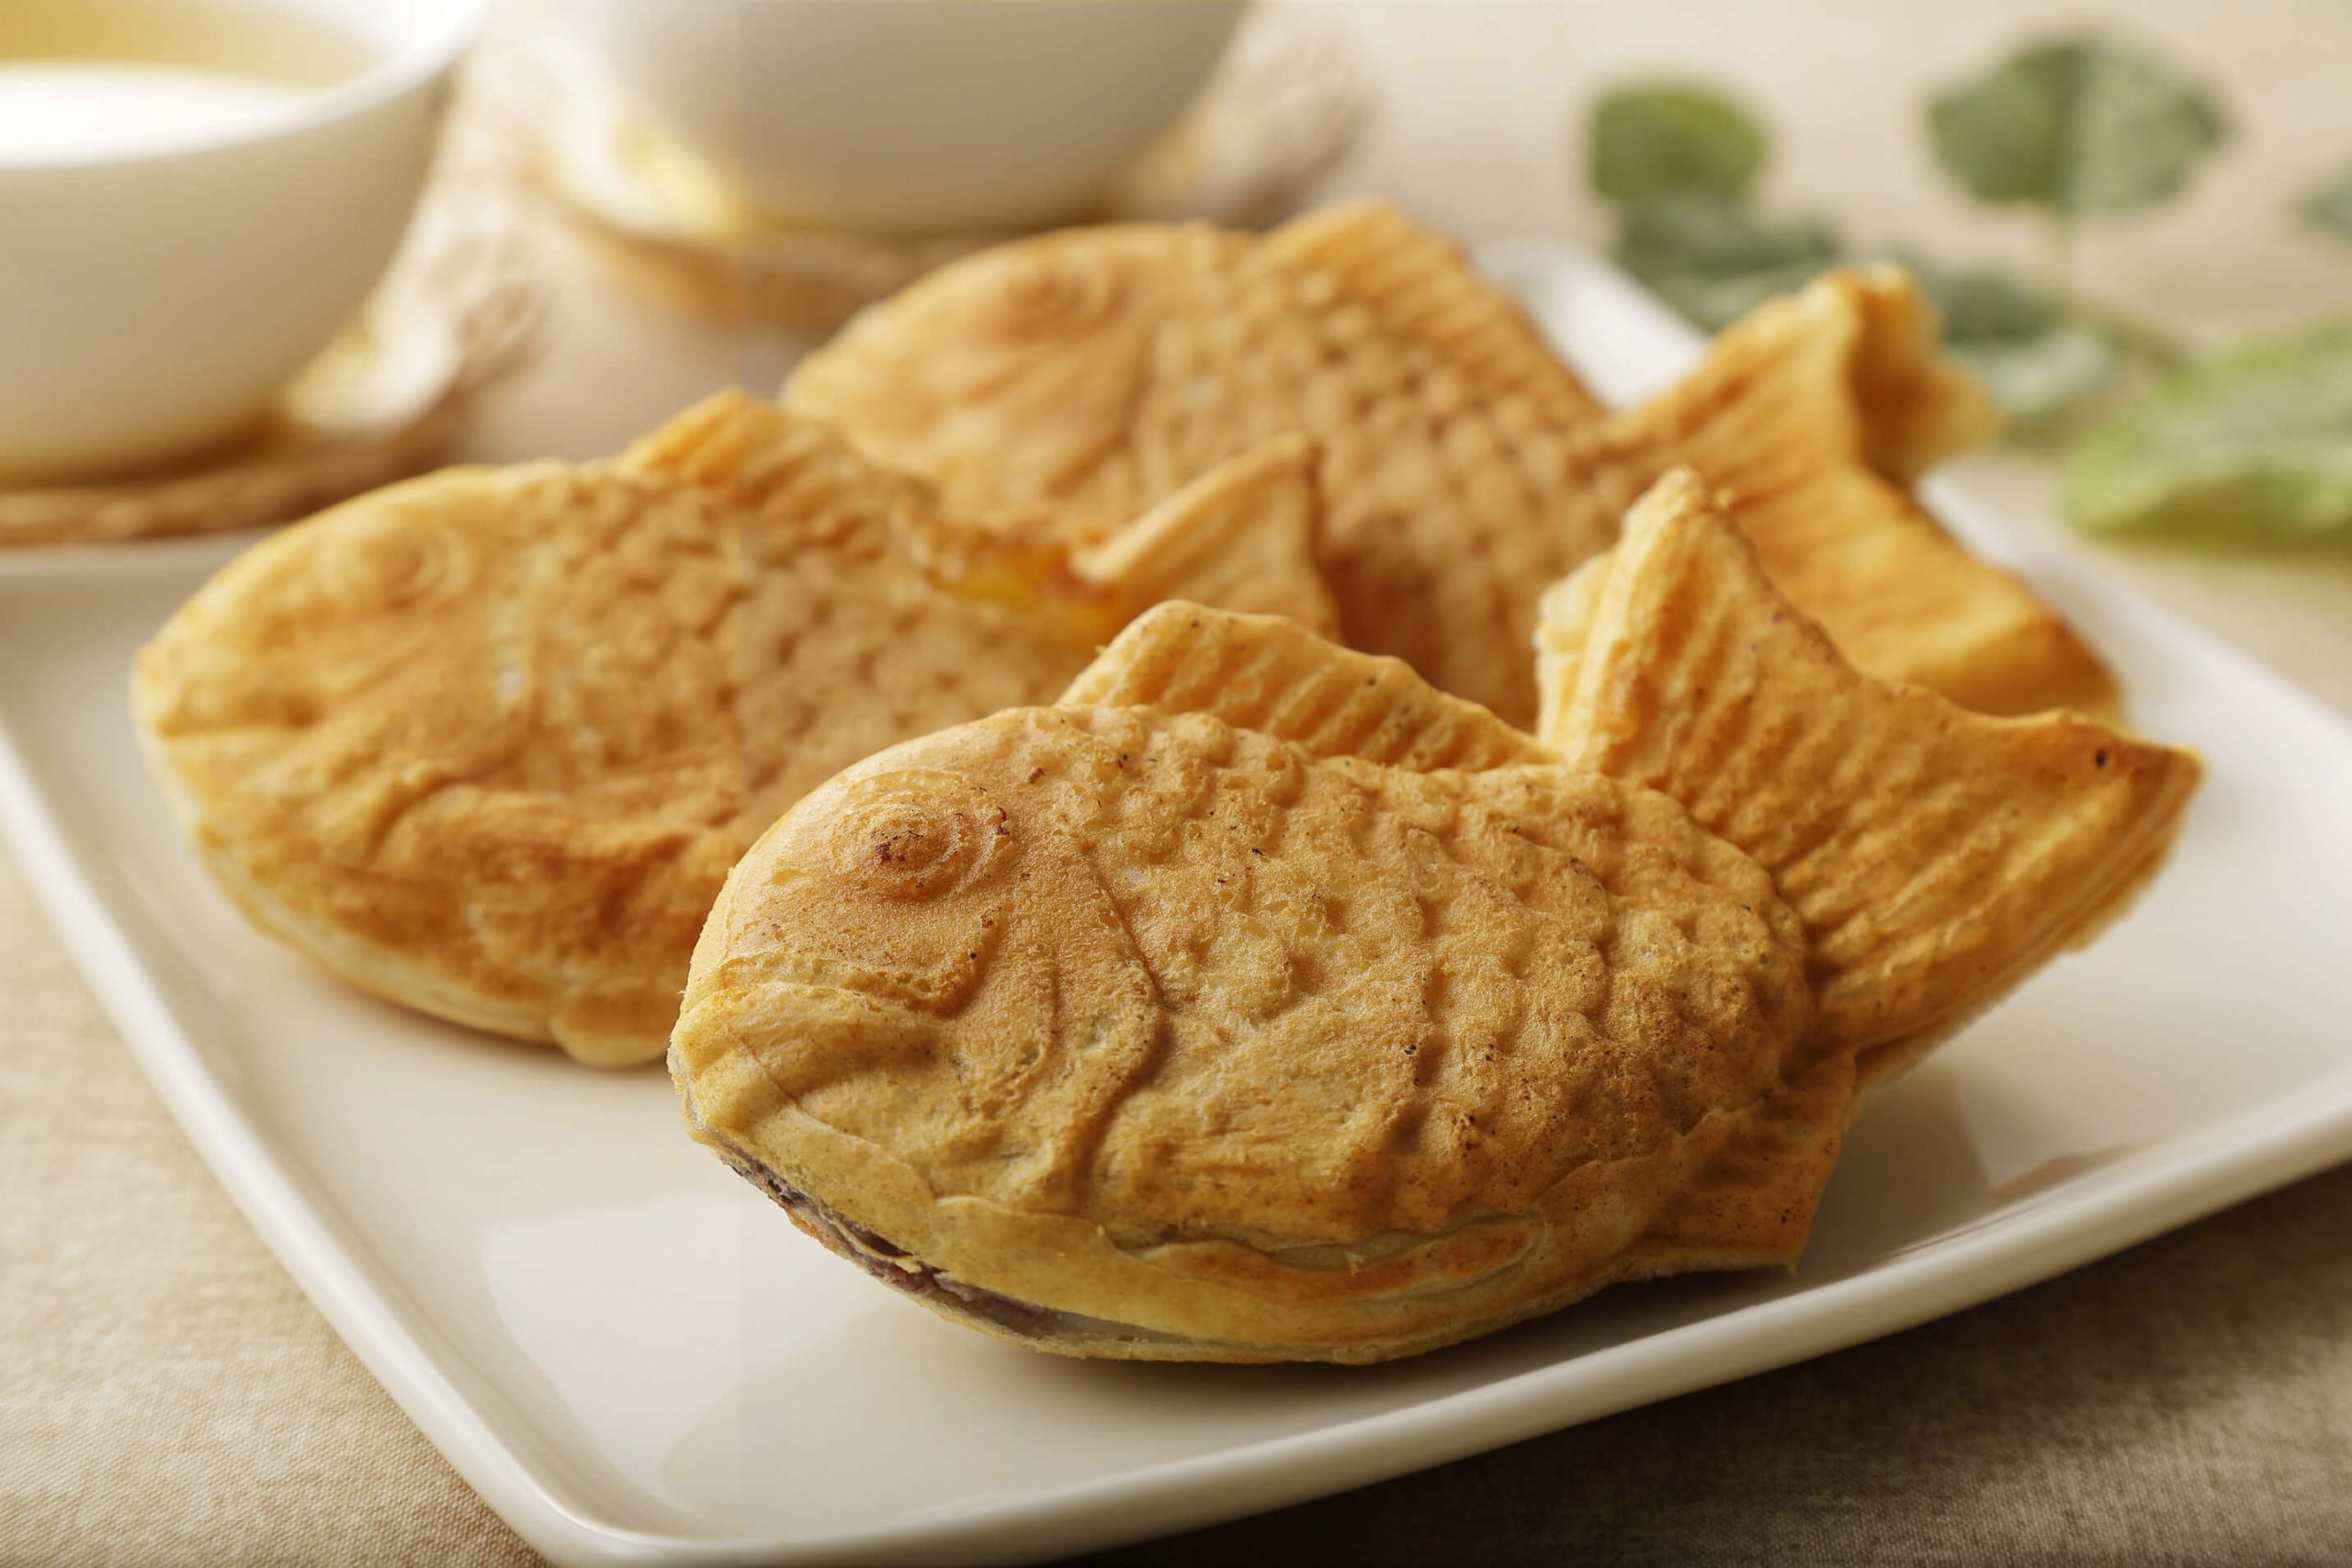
407,66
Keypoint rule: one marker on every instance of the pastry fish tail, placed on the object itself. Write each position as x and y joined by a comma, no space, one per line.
757,460
783,482
1857,352
1242,537
1811,416
1934,856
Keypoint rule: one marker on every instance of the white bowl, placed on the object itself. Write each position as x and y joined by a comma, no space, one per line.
154,299
913,116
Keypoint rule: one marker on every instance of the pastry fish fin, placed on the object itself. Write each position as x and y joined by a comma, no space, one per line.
1419,284
1810,415
703,443
1271,675
781,465
1934,854
1751,1200
1242,537
803,484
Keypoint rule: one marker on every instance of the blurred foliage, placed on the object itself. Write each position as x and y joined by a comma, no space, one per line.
1673,142
2046,367
2329,207
1714,261
2076,128
1681,164
2255,440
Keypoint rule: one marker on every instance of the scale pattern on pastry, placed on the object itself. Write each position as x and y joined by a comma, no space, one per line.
1463,467
485,743
1259,1001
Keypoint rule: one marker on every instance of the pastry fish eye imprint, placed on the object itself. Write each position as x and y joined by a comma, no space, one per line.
1250,1072
1058,295
914,835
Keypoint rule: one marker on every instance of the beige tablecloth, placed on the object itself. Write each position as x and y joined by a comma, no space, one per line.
167,1395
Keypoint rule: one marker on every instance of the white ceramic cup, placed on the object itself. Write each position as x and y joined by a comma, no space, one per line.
155,299
914,117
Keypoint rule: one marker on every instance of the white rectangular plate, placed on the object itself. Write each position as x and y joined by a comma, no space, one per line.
635,1358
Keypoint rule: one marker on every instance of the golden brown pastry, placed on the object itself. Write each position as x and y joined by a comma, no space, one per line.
1259,1001
485,743
1464,468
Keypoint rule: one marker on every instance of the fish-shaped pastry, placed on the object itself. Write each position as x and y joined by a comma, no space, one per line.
486,742
1464,466
1259,1001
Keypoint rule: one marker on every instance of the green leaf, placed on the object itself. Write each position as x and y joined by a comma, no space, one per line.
2043,382
2255,441
1980,305
1663,140
1713,262
2329,207
2041,366
2076,127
